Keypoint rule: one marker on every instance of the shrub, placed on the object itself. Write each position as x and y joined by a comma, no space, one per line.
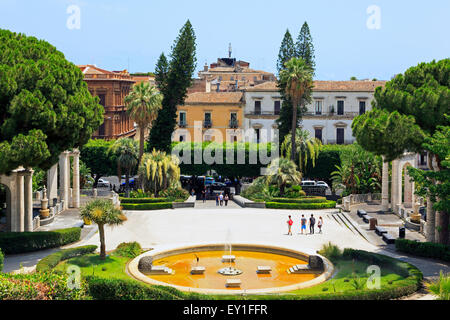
20,242
175,193
143,200
301,200
1,261
424,249
294,192
331,252
441,287
128,250
52,260
147,206
39,286
299,206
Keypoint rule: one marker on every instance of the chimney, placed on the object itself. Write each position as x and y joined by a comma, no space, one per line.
205,67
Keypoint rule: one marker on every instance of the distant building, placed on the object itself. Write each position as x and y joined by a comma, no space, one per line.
328,118
137,78
111,87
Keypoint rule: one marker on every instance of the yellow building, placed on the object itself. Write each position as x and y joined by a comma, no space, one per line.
210,116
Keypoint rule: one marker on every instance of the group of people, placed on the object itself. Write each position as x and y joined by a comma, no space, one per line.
303,222
221,199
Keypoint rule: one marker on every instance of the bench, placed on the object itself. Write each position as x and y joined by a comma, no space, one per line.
198,270
228,258
388,238
380,230
361,213
233,283
264,270
366,218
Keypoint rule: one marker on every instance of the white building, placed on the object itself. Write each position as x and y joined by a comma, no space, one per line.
329,117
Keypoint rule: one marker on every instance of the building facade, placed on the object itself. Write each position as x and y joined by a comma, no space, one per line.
328,117
111,87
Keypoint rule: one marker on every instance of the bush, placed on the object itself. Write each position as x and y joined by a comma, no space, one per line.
20,242
147,206
1,261
52,260
440,287
173,194
301,200
39,286
424,249
300,206
128,250
143,200
331,252
294,192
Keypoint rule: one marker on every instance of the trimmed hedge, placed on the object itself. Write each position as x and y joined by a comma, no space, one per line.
142,200
20,242
299,206
128,250
301,200
424,249
52,260
147,206
1,260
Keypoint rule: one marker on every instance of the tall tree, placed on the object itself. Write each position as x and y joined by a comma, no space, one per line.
45,106
173,86
96,156
305,46
126,152
161,71
143,104
282,172
406,112
286,52
298,83
308,148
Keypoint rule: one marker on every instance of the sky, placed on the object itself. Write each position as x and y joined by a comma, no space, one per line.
361,38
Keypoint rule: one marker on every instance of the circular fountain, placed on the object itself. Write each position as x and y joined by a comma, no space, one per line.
250,269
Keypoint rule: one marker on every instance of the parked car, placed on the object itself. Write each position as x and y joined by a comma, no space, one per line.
308,183
103,183
323,183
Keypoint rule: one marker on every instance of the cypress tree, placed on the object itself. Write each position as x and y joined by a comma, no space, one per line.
173,78
305,47
287,51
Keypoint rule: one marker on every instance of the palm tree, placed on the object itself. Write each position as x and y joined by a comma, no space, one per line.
282,172
143,104
306,147
102,212
298,81
158,171
126,152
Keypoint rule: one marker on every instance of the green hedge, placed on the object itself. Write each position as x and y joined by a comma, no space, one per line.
301,200
52,260
424,249
299,206
146,206
1,260
142,200
128,250
20,242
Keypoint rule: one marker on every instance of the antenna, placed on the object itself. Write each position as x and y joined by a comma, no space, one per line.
229,50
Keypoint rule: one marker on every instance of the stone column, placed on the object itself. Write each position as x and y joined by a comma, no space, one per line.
28,190
20,214
64,176
408,191
394,185
76,180
52,182
385,186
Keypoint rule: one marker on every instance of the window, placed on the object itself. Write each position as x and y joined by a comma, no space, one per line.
182,118
319,107
207,123
276,107
102,98
101,130
318,133
181,138
258,107
340,135
340,107
362,107
233,120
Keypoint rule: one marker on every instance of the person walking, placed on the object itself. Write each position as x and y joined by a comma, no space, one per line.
290,223
204,195
217,199
320,224
226,199
221,199
303,224
312,222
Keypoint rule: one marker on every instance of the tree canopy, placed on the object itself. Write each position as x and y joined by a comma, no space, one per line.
45,106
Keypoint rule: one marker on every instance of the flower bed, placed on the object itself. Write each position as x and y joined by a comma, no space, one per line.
143,200
147,206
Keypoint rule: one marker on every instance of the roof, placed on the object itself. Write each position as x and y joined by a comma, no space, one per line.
337,86
92,72
214,97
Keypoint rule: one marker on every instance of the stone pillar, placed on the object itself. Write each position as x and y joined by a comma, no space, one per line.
407,190
20,198
52,182
28,193
76,180
64,176
385,186
394,184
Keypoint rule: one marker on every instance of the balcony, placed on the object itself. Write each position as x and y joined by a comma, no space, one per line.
332,114
234,124
207,124
182,124
262,113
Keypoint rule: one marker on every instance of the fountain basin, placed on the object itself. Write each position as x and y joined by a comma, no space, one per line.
247,259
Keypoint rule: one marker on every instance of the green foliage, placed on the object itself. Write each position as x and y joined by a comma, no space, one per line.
301,200
328,159
147,206
301,206
424,249
282,172
39,176
287,51
20,242
39,286
126,153
173,79
142,200
98,159
175,193
102,211
441,287
45,105
1,260
305,46
331,252
49,262
128,250
307,148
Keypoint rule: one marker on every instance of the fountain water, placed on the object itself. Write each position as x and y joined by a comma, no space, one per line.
230,270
